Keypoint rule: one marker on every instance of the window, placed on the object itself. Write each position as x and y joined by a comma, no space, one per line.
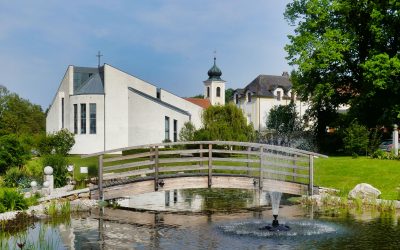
166,128
62,112
75,118
278,95
249,96
175,130
236,98
218,91
158,93
92,111
83,118
208,91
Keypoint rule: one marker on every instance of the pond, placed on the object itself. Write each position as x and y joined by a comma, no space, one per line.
209,219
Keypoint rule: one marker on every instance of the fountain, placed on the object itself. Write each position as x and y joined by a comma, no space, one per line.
275,226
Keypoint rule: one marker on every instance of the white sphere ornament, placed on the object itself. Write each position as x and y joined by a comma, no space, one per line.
33,184
48,170
46,184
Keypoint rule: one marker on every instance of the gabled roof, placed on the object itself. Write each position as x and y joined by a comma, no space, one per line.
204,103
264,85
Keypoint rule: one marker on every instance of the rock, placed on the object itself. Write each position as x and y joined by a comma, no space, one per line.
84,195
364,191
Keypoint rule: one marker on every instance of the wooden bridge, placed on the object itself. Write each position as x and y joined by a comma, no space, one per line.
203,164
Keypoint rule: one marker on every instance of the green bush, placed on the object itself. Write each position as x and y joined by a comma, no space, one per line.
11,199
60,142
379,154
187,132
12,152
356,139
34,169
59,164
16,177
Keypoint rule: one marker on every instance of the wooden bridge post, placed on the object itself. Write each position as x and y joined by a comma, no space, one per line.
294,167
311,175
100,181
209,165
201,156
248,157
156,168
260,181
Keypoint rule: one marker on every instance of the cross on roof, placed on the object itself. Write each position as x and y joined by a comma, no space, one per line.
98,56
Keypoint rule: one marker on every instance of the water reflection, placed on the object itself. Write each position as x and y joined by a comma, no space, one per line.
226,224
197,200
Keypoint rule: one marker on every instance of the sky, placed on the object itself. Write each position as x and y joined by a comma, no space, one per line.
169,43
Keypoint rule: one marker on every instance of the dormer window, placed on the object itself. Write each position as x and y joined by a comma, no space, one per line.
249,96
278,95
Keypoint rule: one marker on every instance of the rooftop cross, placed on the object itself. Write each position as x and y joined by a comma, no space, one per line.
98,56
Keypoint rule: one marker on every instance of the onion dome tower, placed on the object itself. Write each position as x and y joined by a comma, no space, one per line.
214,86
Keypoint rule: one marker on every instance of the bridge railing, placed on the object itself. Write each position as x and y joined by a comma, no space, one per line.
206,158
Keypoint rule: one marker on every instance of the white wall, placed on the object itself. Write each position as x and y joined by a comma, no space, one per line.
53,119
147,120
88,143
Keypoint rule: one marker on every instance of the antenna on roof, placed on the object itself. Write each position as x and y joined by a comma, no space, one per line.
98,56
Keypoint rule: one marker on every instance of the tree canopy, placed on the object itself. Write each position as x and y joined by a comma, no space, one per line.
224,123
19,116
346,52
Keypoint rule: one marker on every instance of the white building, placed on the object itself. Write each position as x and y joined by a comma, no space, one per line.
107,108
262,94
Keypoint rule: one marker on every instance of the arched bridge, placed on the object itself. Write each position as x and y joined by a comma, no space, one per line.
203,164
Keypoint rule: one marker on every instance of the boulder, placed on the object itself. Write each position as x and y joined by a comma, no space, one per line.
364,191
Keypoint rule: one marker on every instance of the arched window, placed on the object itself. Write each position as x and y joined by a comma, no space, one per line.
208,91
249,96
218,91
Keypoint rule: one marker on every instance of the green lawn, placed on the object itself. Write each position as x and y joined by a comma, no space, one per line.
344,173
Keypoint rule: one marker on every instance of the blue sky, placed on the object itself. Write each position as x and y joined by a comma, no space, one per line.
167,43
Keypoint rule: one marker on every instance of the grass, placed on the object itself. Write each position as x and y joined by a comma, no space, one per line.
344,173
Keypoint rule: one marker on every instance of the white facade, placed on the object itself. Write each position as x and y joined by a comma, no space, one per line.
107,108
261,95
215,91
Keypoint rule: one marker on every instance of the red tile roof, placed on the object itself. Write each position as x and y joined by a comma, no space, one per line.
204,103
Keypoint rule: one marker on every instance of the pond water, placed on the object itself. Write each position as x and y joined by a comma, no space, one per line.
218,219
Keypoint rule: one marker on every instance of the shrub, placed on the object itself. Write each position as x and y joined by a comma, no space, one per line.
187,132
12,152
34,169
59,164
60,142
356,139
16,177
379,154
11,199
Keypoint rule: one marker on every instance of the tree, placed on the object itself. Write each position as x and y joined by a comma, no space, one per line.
12,152
356,139
19,116
346,52
229,95
283,120
187,132
225,123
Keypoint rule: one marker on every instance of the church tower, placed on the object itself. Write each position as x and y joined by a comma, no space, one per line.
214,86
